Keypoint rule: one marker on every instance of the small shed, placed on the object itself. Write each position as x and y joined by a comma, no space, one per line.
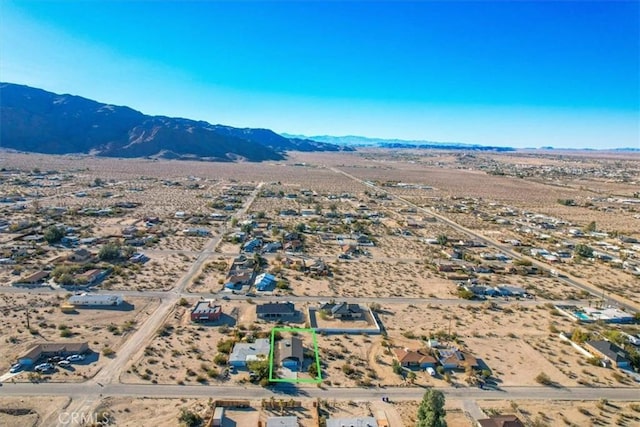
218,417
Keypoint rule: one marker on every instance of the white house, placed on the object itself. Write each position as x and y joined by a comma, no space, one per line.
89,300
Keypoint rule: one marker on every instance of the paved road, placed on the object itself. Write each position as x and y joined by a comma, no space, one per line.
229,391
300,298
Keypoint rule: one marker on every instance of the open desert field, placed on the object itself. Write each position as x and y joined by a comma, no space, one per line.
371,226
30,411
100,328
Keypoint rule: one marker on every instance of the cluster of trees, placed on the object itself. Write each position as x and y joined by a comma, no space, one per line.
583,251
431,411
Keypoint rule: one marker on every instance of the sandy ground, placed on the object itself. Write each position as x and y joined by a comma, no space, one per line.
29,411
98,327
509,340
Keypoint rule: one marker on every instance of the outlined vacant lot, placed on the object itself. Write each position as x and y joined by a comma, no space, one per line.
316,357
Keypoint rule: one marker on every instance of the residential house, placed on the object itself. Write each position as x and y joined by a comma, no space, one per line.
511,291
70,241
290,236
139,258
456,359
350,249
93,276
415,359
95,300
609,351
319,267
293,246
44,350
343,311
364,240
265,282
275,311
501,421
37,278
218,217
79,255
481,290
200,232
244,353
252,245
206,311
291,353
238,280
271,247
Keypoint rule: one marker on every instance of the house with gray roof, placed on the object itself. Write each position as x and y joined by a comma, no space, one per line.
244,353
343,310
291,353
609,351
275,311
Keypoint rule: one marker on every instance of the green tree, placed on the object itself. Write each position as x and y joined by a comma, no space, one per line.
465,294
260,368
53,234
583,251
579,336
442,239
313,370
109,252
397,369
189,418
431,411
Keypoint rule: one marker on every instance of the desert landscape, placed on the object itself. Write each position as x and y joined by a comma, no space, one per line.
417,269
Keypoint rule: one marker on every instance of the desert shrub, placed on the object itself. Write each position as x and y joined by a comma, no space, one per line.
543,379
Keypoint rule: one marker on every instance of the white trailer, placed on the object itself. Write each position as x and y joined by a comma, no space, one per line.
87,300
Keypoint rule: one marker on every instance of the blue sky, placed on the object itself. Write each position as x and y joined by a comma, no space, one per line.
514,73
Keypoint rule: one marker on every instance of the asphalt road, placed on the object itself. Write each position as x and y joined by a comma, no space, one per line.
91,389
295,298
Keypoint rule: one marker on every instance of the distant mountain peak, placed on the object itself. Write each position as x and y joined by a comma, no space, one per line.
35,120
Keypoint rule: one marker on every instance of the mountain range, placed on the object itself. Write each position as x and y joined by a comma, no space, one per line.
361,141
35,120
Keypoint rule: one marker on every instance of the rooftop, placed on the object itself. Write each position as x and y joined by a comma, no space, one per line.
205,307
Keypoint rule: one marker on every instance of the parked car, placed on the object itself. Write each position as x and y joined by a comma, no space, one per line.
44,367
15,368
75,358
64,363
431,372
